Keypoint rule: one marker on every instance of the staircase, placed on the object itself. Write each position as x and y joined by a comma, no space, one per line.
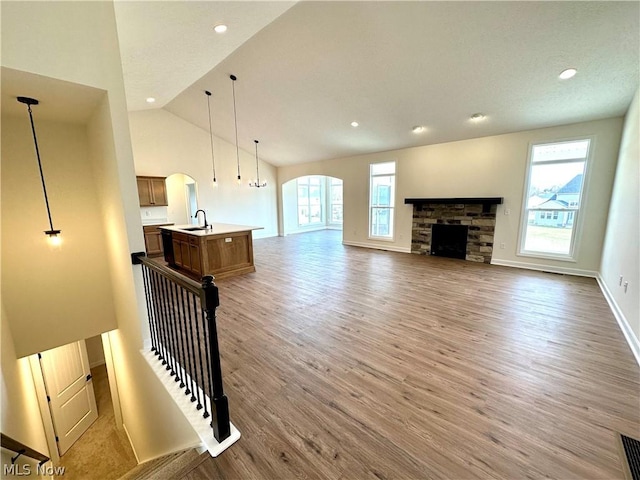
173,466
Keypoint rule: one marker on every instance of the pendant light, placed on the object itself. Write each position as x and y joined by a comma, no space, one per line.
213,158
52,233
235,122
257,182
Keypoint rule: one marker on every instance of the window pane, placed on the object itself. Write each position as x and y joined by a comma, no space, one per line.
555,185
336,213
381,222
303,216
381,191
316,214
548,238
560,151
383,168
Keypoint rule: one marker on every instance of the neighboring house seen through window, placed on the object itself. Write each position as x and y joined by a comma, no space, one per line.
553,198
382,194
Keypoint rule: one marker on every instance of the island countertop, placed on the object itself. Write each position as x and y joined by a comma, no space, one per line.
214,229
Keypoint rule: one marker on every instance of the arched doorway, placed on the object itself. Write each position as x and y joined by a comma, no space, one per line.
311,203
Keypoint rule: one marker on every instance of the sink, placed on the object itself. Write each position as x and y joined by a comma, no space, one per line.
192,229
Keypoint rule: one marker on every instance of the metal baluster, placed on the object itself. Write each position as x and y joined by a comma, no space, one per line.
199,345
167,307
178,315
220,424
190,350
162,354
174,331
207,372
150,312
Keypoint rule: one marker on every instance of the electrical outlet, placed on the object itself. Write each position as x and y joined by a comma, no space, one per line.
147,213
502,245
507,211
620,282
626,284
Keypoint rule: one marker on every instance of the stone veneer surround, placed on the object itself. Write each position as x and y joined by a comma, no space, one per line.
481,227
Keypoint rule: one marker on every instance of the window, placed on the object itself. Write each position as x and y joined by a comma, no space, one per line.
553,198
309,200
335,200
381,199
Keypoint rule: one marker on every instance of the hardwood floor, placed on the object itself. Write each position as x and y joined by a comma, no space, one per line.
346,363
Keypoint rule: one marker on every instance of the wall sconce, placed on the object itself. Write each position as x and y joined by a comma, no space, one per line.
213,159
257,182
235,122
52,233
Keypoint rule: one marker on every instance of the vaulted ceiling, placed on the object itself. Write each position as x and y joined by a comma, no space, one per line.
306,70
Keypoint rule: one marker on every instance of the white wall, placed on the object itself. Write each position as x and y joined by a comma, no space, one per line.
620,253
19,405
95,352
77,42
164,144
52,296
483,167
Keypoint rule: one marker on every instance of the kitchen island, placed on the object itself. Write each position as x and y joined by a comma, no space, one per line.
221,249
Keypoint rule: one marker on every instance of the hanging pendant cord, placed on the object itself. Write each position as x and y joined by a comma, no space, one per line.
44,187
235,120
213,159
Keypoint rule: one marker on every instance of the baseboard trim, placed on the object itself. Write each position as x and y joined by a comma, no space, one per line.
390,248
633,342
546,268
131,443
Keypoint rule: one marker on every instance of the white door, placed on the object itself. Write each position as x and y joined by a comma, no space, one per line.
67,379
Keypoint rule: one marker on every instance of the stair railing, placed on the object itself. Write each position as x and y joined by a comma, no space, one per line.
184,337
21,449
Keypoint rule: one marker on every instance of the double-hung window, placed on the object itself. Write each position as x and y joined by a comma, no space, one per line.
382,192
335,200
554,198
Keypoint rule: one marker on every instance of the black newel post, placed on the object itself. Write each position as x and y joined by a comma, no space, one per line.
220,423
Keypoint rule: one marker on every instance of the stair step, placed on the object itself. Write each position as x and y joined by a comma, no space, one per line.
163,468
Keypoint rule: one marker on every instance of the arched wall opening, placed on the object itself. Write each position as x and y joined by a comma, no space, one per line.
312,202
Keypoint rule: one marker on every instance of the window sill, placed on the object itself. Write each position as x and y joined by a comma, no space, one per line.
547,256
382,239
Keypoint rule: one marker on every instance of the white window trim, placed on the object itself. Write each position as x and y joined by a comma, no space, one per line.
578,218
390,238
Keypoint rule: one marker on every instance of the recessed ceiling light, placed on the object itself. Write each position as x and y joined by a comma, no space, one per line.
220,28
418,129
354,124
476,117
568,73
150,99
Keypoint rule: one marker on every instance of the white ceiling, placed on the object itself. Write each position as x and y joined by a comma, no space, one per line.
305,72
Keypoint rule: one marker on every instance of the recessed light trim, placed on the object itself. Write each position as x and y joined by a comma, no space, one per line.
477,117
220,28
151,99
568,73
354,124
418,129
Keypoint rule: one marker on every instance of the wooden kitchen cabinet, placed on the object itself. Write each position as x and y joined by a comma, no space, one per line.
152,191
153,239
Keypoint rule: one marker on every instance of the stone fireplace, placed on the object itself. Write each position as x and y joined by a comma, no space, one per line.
476,215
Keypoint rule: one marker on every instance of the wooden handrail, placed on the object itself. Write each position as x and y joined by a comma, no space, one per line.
21,449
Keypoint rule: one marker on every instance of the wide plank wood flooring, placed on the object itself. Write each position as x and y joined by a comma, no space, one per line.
347,363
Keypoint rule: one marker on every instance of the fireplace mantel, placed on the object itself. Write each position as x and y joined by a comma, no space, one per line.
486,202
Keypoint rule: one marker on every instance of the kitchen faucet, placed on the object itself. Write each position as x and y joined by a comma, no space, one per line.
206,225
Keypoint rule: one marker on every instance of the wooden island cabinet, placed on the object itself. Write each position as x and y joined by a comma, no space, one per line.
224,250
